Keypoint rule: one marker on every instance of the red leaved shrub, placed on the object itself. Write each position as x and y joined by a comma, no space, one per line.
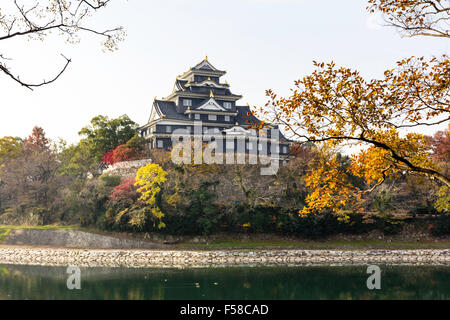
125,191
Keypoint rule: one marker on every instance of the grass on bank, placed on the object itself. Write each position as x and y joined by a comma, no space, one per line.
47,227
6,229
323,244
4,233
226,243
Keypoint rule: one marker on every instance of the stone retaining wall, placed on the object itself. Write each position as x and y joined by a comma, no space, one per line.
126,169
73,239
192,259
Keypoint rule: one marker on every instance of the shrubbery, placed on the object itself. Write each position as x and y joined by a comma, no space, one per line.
442,226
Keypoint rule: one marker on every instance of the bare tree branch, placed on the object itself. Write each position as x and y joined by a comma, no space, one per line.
39,18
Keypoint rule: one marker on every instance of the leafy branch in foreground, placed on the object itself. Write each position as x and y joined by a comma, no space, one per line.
415,17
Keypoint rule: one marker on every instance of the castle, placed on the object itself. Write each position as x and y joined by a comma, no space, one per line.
199,97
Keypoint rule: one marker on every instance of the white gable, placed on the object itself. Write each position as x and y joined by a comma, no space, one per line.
211,104
210,83
236,131
153,115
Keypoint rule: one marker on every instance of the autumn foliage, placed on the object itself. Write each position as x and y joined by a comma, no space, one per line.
36,142
133,149
125,191
337,107
119,154
108,157
441,146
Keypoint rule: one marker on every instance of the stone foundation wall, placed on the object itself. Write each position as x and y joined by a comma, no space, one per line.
73,239
192,259
126,169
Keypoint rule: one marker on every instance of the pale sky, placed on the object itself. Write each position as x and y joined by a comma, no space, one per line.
263,44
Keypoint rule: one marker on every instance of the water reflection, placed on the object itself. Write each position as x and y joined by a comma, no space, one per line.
339,282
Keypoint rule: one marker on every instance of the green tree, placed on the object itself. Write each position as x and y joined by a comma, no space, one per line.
78,160
104,134
10,148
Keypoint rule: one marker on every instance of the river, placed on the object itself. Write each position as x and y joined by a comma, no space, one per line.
240,283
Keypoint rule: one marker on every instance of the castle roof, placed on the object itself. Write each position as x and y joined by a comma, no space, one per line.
203,68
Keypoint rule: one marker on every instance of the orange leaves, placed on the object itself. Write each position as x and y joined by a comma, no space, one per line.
373,164
376,164
330,188
337,104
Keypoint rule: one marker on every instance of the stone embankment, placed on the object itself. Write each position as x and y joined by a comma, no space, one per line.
74,239
192,259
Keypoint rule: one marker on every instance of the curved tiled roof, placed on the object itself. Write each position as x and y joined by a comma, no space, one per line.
169,109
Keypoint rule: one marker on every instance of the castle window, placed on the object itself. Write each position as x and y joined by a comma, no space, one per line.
230,145
160,144
212,117
197,116
249,146
187,103
285,149
168,129
227,105
227,118
260,146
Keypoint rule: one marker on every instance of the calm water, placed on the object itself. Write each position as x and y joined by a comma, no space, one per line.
339,282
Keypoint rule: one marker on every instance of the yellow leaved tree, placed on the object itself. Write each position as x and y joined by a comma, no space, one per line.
149,179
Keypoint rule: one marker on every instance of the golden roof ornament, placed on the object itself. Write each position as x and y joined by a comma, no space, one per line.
211,94
236,124
206,57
